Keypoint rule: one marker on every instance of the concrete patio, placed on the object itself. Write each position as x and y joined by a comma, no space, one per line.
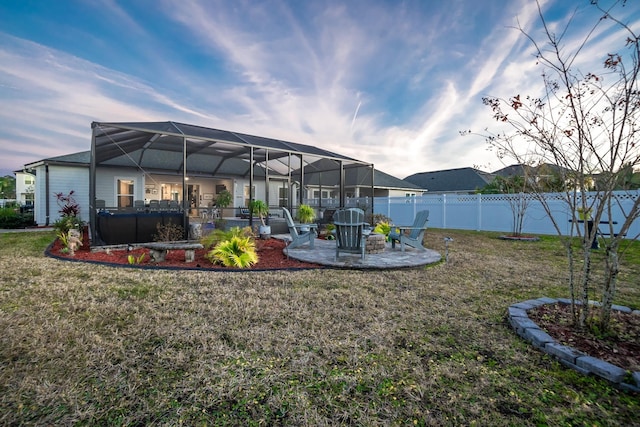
324,253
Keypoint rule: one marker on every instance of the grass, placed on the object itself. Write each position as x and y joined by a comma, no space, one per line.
93,345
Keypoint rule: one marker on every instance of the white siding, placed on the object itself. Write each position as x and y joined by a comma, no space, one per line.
62,179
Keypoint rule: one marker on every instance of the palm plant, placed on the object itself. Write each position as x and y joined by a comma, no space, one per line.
306,214
260,208
237,252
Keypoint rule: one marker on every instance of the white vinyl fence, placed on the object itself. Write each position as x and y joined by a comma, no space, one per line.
492,212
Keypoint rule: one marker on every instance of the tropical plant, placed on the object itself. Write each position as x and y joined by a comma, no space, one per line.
306,214
237,252
70,213
219,235
136,260
260,208
383,228
68,205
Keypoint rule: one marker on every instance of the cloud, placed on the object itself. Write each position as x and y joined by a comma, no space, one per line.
390,85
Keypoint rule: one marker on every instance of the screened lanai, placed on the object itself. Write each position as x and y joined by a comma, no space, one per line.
136,167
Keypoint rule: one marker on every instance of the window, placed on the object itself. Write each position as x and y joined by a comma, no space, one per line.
124,190
29,180
283,195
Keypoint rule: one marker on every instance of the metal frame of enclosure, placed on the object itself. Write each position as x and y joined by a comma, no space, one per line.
188,151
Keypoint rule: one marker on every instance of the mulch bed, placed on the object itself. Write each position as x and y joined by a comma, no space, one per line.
270,254
620,347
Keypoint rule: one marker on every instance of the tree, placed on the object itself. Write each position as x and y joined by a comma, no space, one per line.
514,187
7,187
587,124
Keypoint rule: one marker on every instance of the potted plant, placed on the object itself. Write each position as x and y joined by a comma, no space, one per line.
306,215
260,208
584,213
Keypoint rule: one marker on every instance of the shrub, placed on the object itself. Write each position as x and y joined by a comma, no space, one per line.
236,252
66,223
219,235
168,232
10,218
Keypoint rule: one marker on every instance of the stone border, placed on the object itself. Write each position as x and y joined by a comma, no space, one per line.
570,357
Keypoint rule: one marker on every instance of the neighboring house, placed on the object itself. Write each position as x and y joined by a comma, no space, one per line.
550,177
25,188
458,181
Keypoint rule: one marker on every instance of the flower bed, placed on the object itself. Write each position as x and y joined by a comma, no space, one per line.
270,253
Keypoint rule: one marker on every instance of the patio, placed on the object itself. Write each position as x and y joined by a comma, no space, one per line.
324,253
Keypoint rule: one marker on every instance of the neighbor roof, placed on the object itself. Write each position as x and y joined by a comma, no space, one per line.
451,180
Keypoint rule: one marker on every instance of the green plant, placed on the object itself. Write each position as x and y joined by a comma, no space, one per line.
260,208
64,240
383,228
11,218
236,252
168,233
584,213
306,214
329,235
219,235
136,260
66,223
224,199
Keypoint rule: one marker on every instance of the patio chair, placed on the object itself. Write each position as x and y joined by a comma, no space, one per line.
139,205
299,237
349,231
415,235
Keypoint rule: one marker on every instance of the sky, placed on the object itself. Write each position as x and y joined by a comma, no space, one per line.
388,82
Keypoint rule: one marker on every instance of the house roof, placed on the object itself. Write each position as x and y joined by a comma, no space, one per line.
384,180
155,146
451,180
542,169
81,158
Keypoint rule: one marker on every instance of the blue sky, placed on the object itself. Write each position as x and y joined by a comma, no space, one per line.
388,82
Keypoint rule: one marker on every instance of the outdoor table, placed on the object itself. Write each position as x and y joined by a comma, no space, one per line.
594,244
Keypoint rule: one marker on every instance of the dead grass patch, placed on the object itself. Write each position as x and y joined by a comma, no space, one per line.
91,344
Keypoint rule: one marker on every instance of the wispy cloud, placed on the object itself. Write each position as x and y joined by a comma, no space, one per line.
391,85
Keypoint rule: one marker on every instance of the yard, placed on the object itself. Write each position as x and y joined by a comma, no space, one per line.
101,345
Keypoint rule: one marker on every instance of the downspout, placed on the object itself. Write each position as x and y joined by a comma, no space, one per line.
301,192
266,181
93,219
343,199
185,206
47,208
251,186
373,188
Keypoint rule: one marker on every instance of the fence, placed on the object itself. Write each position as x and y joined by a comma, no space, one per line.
493,212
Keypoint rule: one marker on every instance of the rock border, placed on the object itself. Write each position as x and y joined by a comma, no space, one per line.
568,356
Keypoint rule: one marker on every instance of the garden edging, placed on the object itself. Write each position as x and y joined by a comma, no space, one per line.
568,356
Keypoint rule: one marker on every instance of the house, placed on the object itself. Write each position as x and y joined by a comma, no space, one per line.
25,188
459,181
547,176
134,167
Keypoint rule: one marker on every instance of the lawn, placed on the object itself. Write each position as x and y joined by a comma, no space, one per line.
96,345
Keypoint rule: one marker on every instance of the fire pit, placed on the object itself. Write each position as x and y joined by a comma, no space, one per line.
375,243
